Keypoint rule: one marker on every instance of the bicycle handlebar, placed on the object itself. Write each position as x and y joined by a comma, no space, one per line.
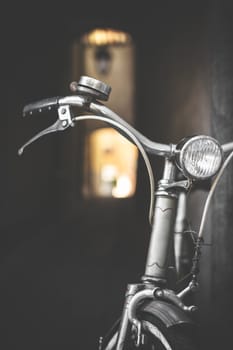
88,93
95,107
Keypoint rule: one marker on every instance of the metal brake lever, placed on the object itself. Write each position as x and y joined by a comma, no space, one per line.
63,122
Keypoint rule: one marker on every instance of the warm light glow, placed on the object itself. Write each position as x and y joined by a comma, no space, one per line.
98,37
111,164
123,187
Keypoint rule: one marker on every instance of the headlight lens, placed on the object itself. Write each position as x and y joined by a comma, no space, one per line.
200,157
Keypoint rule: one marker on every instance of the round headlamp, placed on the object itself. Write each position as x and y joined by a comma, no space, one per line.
199,157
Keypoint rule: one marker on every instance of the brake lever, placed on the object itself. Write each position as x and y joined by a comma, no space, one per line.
63,122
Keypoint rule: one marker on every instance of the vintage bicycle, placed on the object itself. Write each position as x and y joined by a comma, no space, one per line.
155,314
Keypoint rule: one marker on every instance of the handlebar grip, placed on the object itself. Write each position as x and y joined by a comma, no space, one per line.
41,105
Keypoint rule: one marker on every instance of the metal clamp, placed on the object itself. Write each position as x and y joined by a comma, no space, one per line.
182,184
169,295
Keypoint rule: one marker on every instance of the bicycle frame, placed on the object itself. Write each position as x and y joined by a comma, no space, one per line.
162,227
167,213
160,253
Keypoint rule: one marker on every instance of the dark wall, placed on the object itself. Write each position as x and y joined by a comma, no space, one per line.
221,51
65,262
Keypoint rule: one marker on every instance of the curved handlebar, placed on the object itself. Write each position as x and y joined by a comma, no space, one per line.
91,106
89,92
105,115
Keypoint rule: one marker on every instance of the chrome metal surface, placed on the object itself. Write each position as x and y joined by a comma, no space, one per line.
150,146
170,295
93,87
227,147
75,101
61,124
99,109
132,311
88,105
182,184
192,287
161,236
132,289
169,171
185,165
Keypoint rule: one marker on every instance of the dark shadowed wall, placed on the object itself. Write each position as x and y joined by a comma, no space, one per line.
64,267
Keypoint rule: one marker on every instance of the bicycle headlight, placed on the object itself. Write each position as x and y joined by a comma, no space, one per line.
199,157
